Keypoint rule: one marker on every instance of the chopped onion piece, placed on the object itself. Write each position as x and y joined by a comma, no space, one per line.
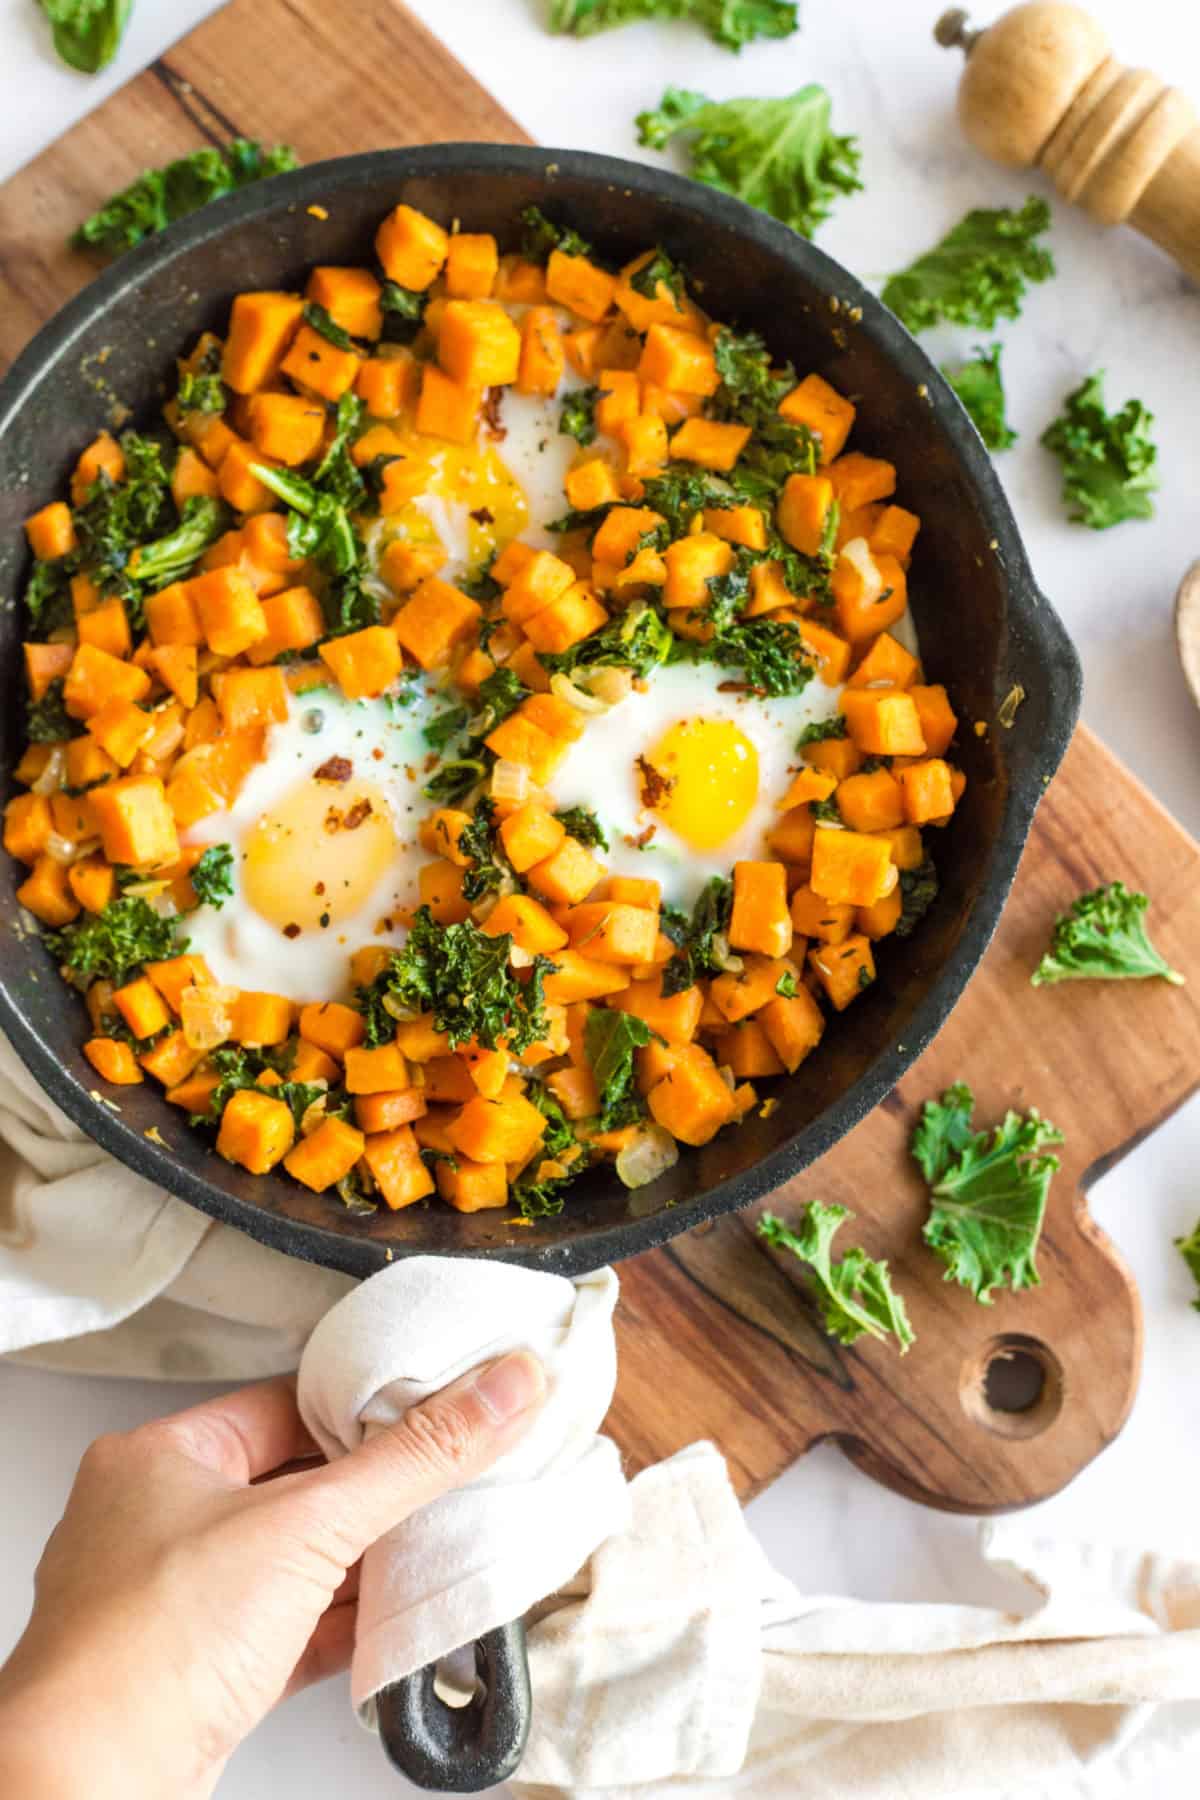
396,1009
563,688
726,959
313,1115
611,685
510,782
652,1152
206,1014
858,552
51,777
68,850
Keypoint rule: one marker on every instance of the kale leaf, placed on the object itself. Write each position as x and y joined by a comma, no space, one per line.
1102,937
978,273
821,730
1189,1249
854,1295
704,945
537,1193
47,720
662,271
326,326
542,236
212,877
988,1191
490,871
48,597
1107,458
770,653
173,556
114,944
730,23
638,639
87,33
918,891
980,386
200,392
777,154
241,1067
610,1039
582,824
578,416
160,196
463,977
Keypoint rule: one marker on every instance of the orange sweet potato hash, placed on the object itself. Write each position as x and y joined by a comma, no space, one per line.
188,586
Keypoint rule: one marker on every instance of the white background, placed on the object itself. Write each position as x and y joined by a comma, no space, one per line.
1116,304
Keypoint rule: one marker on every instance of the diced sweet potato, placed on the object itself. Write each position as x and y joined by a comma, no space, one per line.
136,825
478,344
542,355
675,1017
365,662
938,722
351,298
794,1025
928,790
859,479
851,867
826,413
46,892
51,531
375,1071
412,248
261,326
803,511
142,1007
332,1027
261,1019
883,721
886,664
113,1061
472,263
388,1111
692,1102
527,922
288,428
228,609
709,443
579,285
95,678
327,1156
529,835
28,824
470,1186
568,875
434,621
610,931
844,970
577,977
447,408
395,1161
680,360
320,367
759,919
871,802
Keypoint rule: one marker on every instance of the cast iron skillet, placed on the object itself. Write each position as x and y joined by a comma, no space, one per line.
984,629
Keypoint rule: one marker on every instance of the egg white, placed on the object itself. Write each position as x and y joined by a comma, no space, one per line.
600,771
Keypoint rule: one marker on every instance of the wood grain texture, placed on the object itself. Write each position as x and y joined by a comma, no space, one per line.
717,1337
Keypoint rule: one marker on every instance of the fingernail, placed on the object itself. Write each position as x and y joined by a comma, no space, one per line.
512,1385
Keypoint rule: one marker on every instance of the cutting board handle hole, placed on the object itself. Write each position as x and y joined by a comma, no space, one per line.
1013,1386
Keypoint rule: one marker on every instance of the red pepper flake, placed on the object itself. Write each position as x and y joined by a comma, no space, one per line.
333,820
319,887
655,785
338,768
291,931
482,515
642,839
491,414
359,813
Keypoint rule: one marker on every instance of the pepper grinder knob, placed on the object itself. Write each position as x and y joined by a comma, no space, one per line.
1041,89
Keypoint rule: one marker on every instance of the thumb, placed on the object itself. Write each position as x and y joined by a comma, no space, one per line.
442,1443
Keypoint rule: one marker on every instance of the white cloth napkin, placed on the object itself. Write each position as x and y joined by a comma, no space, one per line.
670,1660
470,1560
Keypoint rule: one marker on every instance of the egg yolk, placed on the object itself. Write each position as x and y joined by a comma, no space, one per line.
315,859
474,478
702,780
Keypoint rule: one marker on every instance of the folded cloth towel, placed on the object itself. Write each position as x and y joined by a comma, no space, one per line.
678,1663
103,1272
470,1560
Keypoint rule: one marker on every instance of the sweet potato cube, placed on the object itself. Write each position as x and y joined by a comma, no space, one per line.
692,562
387,386
350,297
938,722
541,579
567,620
287,428
692,1102
327,1156
113,1061
517,739
261,326
616,539
121,728
908,851
248,698
45,663
610,931
171,1060
447,408
171,616
471,1186
332,1027
826,413
394,1160
883,721
859,479
577,283
577,977
838,757
256,1131
365,662
175,974
679,360
440,888
507,1130
103,456
230,612
591,483
675,1017
803,511
529,835
710,444
46,892
51,531
542,355
851,867
736,995
747,1052
808,785
869,592
871,802
793,1025
478,344
319,366
895,533
878,920
472,262
844,969
619,399
136,825
439,833
261,1019
411,247
759,919
388,1111
886,664
375,1071
142,1007
28,824
107,627
526,920
95,678
928,791
645,441
568,875
295,621
436,619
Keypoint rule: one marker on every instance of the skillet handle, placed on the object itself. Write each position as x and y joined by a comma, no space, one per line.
461,1749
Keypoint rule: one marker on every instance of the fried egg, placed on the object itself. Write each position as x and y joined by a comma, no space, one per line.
687,776
324,836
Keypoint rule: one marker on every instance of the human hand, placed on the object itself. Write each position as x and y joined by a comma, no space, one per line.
183,1594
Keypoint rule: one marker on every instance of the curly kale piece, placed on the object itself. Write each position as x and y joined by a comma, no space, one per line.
1107,458
87,33
854,1295
703,942
463,977
779,154
1102,937
212,877
978,273
113,944
160,196
980,386
609,1040
577,418
730,23
987,1191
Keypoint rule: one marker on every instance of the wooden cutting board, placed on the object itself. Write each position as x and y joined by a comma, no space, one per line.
716,1337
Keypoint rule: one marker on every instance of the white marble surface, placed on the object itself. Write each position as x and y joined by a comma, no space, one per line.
1116,303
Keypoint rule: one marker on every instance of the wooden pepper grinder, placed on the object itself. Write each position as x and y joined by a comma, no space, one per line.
1042,89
